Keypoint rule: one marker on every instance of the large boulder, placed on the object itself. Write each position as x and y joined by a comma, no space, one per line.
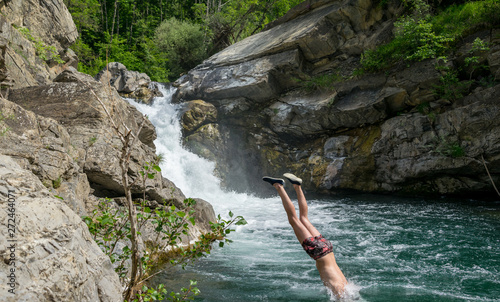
128,83
262,66
51,256
72,103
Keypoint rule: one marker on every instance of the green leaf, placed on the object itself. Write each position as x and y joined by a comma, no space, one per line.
242,221
157,168
221,244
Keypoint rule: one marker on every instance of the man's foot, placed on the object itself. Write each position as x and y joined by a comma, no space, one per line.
273,180
293,179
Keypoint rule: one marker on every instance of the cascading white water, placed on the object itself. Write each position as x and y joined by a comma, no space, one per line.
395,249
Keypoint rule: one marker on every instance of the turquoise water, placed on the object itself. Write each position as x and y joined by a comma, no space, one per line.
390,249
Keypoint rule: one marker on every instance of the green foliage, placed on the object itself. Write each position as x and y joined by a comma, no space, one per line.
321,82
160,158
4,129
450,148
229,22
488,81
201,248
126,31
160,293
44,52
85,14
420,35
423,108
472,61
460,20
92,140
182,42
110,227
415,40
450,87
89,62
56,183
418,40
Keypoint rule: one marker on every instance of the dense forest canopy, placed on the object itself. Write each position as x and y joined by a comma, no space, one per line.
164,38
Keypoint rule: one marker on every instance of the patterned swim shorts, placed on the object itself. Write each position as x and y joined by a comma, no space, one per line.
317,247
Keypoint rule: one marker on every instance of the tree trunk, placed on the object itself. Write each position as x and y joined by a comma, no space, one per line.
124,165
132,23
113,26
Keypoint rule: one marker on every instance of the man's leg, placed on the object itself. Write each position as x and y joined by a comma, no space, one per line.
303,209
301,231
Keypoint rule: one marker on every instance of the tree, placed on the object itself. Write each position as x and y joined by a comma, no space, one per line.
183,43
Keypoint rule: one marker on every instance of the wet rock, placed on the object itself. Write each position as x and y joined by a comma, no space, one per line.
196,114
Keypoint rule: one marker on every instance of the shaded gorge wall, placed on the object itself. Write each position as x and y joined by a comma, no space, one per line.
259,107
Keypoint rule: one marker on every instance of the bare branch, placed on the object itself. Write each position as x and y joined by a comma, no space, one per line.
489,175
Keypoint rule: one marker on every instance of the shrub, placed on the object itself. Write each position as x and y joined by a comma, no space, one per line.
320,82
414,40
183,43
44,51
450,87
419,36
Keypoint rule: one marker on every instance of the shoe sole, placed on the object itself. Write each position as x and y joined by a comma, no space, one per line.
273,180
293,179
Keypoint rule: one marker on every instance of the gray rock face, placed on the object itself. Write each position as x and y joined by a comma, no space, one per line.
389,132
74,106
85,145
48,21
55,256
128,83
62,138
42,146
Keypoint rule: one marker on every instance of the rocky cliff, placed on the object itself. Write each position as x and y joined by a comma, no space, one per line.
24,63
256,109
58,157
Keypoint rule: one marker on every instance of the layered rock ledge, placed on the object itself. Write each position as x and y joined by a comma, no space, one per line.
386,132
